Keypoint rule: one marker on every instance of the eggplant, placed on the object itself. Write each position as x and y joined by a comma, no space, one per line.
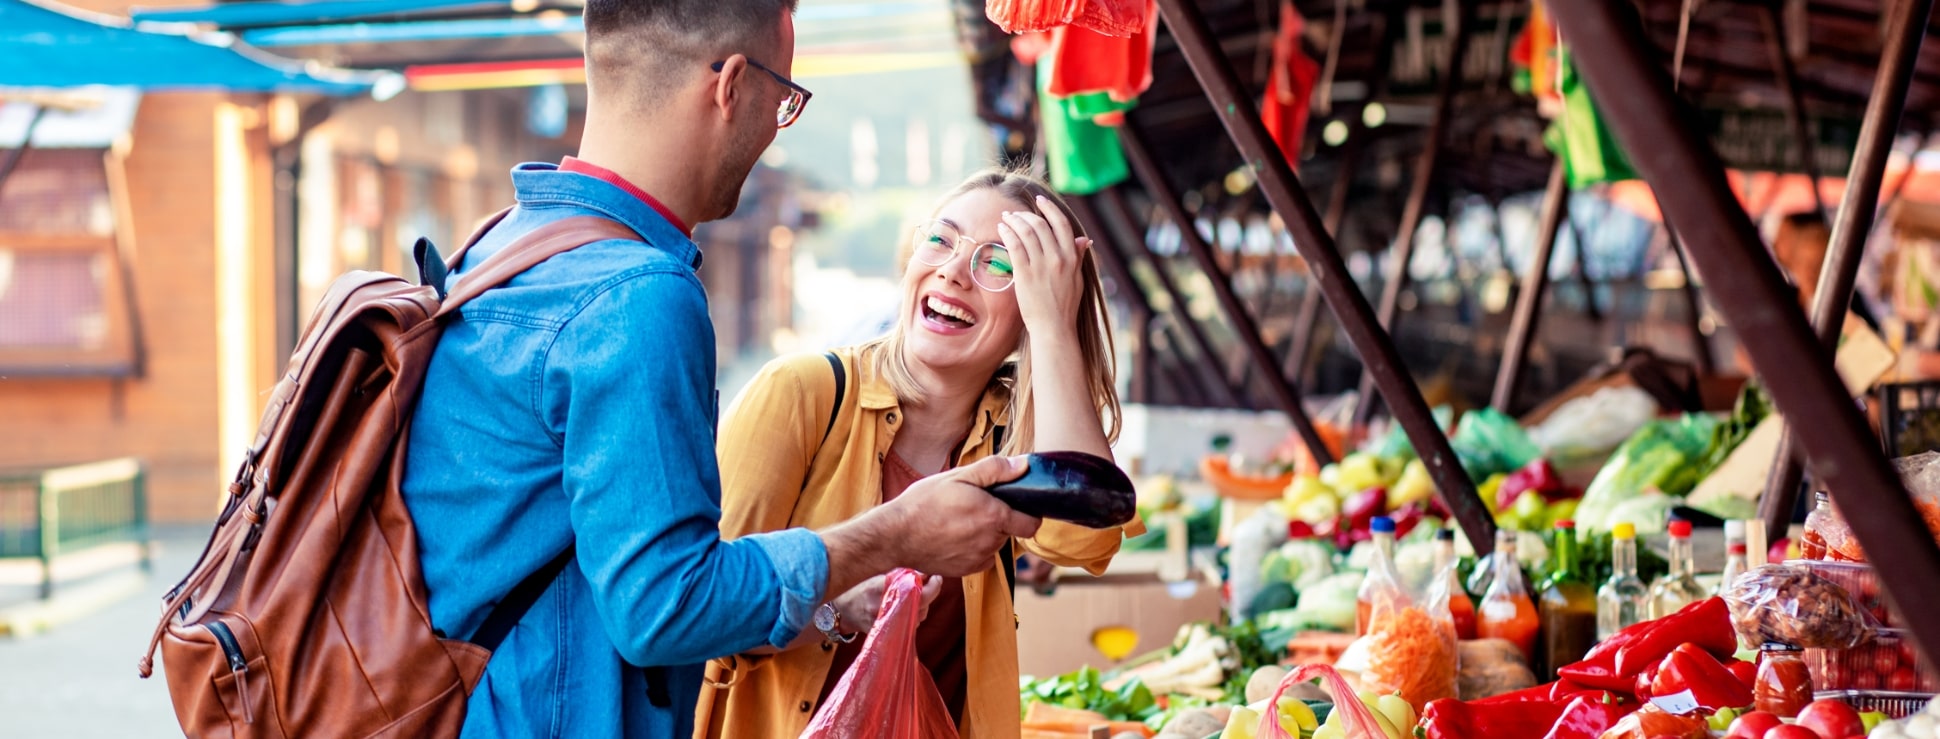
1072,486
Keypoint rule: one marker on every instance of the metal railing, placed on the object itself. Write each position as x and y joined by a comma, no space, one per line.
48,513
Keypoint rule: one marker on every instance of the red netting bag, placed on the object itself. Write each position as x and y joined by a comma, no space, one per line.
887,693
1120,18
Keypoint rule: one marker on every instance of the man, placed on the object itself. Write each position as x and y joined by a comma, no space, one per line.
574,406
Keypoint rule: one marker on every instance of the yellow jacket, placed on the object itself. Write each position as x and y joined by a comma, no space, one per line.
772,477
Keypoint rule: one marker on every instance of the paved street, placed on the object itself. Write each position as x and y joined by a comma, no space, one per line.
77,680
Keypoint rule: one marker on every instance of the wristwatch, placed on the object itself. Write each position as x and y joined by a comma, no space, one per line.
830,623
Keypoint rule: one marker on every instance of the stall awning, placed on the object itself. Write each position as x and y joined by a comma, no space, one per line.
46,45
260,14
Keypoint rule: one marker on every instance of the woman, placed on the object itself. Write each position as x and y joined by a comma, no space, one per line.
1002,346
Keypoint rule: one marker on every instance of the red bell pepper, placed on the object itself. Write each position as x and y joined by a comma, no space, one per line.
1538,476
1562,691
1452,719
1747,672
1360,508
1587,717
1405,519
1706,623
1644,681
1598,669
1690,667
1540,693
1300,530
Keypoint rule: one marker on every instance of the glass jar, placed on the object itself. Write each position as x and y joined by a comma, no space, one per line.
1784,686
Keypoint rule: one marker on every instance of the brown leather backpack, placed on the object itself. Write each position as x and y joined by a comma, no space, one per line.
307,614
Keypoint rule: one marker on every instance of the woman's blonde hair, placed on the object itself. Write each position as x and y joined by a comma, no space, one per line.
1094,327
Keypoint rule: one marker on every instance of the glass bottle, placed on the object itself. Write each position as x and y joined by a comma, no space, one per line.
1461,608
1784,685
1734,557
1812,544
1624,599
1678,587
1383,581
1506,611
1568,606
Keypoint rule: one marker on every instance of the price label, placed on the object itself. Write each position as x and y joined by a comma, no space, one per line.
1676,704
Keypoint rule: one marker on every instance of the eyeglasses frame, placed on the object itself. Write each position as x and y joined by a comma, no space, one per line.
956,246
794,90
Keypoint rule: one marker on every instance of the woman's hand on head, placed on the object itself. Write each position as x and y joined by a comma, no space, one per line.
1047,260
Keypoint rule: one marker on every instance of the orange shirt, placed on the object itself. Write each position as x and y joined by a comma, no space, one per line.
776,473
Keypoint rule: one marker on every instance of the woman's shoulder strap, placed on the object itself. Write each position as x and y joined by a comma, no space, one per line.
841,376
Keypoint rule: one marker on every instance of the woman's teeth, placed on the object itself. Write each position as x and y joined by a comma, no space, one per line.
950,311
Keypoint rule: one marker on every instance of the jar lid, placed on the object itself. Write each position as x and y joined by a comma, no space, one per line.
1773,646
1821,496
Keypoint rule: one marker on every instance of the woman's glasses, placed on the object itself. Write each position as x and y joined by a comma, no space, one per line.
937,242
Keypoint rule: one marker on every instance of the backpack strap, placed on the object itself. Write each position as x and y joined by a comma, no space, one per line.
841,387
538,245
506,614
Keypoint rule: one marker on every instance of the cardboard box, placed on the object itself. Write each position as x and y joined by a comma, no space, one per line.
1054,632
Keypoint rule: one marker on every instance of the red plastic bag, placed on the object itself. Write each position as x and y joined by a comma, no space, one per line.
1354,715
887,693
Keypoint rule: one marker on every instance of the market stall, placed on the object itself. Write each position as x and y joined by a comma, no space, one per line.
1619,562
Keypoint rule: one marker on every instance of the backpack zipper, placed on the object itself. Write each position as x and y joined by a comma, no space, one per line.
238,665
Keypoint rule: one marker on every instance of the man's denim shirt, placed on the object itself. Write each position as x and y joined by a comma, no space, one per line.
576,405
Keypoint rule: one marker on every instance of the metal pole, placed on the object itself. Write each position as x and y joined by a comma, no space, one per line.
1245,329
1619,64
20,152
1403,250
1242,121
1117,216
1582,271
1535,281
1855,221
1788,80
1141,306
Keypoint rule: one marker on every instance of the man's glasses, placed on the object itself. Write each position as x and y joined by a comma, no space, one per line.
938,242
791,106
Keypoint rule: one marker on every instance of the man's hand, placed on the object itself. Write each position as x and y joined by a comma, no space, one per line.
951,526
944,524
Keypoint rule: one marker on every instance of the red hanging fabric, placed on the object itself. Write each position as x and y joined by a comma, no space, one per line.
1119,18
1085,61
1289,86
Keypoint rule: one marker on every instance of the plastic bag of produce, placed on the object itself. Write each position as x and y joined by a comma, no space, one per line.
1489,442
1411,649
1790,604
1355,717
1394,443
1661,456
1921,475
887,692
1588,427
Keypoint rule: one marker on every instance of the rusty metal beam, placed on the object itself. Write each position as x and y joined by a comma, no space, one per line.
1619,64
1191,388
1535,282
1116,215
1694,317
1855,221
1245,329
1241,118
1788,81
19,153
1403,250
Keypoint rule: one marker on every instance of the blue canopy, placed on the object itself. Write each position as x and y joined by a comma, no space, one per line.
42,46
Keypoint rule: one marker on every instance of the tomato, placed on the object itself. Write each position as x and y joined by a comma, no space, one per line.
1867,681
1836,676
1830,718
1753,725
1903,679
1789,731
1886,658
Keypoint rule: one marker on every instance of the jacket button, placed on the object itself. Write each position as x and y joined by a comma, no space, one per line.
879,457
892,417
806,705
827,647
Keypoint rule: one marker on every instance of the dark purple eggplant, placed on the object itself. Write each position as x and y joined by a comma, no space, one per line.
1072,486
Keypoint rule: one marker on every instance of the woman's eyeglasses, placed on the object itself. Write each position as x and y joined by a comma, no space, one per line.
937,242
791,106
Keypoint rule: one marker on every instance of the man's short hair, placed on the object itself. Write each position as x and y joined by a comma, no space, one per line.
648,47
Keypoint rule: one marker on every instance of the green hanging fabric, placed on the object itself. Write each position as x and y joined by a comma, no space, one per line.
1589,150
1083,155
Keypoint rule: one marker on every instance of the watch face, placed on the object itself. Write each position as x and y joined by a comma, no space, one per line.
825,617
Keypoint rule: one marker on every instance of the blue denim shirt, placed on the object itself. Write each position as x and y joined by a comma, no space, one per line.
576,404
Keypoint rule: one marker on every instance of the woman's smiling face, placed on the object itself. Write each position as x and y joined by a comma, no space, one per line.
949,323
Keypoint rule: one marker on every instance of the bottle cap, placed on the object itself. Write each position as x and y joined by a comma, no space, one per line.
1736,547
1624,531
1734,529
1382,525
1445,535
1566,524
1680,529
